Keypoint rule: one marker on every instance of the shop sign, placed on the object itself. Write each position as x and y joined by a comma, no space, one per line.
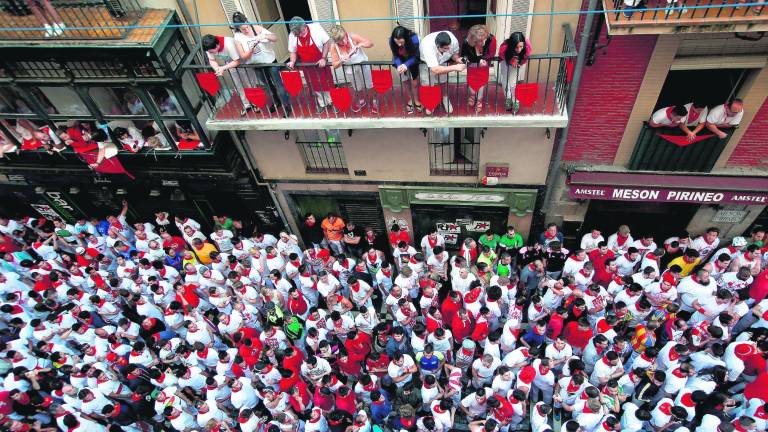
451,239
458,197
479,226
61,205
46,211
497,170
448,228
729,216
647,194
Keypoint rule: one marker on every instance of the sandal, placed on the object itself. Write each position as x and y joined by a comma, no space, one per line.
471,100
409,108
478,107
419,107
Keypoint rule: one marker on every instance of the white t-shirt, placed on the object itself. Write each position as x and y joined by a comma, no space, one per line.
226,53
395,371
263,49
718,116
439,241
660,117
589,243
429,53
689,120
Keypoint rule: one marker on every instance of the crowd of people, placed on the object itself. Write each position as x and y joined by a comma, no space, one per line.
117,325
425,61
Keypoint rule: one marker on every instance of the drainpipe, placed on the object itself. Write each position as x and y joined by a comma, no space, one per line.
242,148
557,160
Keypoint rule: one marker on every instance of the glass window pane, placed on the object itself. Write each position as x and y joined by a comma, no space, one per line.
165,101
60,100
268,11
137,135
191,89
117,101
187,138
11,102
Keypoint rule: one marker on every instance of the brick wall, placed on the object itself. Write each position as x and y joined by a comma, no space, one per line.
606,97
752,150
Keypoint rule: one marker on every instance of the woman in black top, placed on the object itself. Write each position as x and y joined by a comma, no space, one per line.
404,45
478,49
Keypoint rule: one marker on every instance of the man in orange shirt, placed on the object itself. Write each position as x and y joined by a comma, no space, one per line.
333,228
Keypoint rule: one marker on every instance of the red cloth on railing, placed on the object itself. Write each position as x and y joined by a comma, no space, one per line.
341,98
682,140
382,80
569,69
318,79
291,82
107,166
256,96
209,82
477,77
430,96
527,94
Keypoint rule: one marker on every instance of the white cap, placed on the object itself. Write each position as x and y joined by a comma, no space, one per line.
739,241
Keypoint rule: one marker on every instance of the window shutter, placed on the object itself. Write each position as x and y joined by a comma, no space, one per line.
324,10
520,23
232,6
404,9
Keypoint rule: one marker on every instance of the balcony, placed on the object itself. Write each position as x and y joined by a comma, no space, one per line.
686,16
57,21
654,153
541,89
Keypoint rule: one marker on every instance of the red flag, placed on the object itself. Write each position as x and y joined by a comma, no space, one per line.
382,80
341,98
477,77
107,166
527,93
291,82
318,79
208,82
430,96
188,144
256,96
682,140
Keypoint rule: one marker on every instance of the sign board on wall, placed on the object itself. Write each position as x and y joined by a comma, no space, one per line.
729,216
497,170
46,211
649,194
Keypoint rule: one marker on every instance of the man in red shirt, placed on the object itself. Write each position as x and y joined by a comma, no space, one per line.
462,325
759,288
450,306
556,323
578,333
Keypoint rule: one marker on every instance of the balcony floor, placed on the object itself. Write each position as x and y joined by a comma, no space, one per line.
712,17
544,112
98,17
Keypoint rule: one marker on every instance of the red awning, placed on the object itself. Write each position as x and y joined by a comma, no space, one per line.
704,182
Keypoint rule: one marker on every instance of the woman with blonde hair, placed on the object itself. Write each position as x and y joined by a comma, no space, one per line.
478,49
347,51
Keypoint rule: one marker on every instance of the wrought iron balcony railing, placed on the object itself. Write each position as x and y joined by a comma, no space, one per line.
68,19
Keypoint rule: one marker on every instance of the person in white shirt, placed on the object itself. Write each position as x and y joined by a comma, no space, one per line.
707,242
255,45
309,43
430,241
437,50
696,119
725,116
591,239
620,241
669,117
223,239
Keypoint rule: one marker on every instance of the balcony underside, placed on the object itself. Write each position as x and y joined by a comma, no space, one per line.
696,19
544,112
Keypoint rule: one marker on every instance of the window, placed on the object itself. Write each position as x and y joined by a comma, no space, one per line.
97,69
11,102
60,101
322,151
166,102
454,152
117,101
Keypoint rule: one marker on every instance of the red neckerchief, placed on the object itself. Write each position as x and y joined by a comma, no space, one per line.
673,355
432,243
584,272
678,373
621,239
692,115
666,408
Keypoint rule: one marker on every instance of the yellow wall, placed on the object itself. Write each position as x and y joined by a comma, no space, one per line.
540,24
403,155
376,31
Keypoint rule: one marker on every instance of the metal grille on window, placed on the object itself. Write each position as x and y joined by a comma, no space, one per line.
322,151
97,69
37,69
148,69
454,152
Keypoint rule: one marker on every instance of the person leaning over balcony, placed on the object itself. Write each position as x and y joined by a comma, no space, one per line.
255,45
696,118
514,52
437,51
404,45
478,49
223,49
671,116
725,116
347,50
309,43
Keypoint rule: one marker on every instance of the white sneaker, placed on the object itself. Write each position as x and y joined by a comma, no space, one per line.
59,28
49,31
